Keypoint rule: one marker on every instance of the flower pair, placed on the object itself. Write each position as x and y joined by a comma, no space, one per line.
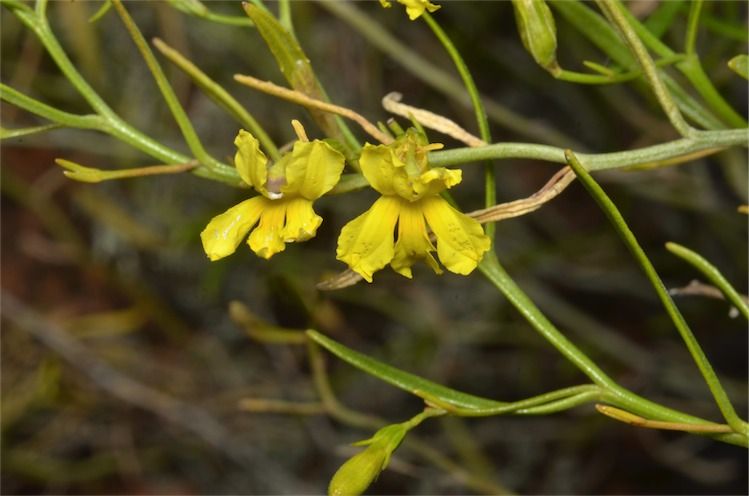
395,230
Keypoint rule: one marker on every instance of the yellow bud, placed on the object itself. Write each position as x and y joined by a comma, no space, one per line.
359,471
537,32
740,65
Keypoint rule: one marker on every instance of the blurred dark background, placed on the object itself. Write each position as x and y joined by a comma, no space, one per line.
123,373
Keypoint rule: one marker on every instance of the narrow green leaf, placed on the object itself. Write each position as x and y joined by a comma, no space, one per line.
297,69
663,16
25,102
101,12
411,383
713,274
218,94
211,165
740,65
704,365
197,8
85,174
26,131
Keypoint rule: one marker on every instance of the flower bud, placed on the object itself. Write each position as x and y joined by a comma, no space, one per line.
740,65
537,32
359,471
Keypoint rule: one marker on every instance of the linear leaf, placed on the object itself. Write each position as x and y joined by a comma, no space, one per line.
297,69
406,381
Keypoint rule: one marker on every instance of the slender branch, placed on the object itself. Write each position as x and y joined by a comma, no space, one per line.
690,39
357,419
613,9
219,95
60,117
490,187
521,406
548,192
392,103
439,79
692,69
191,137
636,420
309,102
702,140
711,378
27,131
610,391
713,274
112,124
85,174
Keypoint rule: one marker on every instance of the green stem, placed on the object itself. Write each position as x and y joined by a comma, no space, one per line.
614,11
562,404
601,34
27,131
702,140
713,275
490,188
692,69
610,391
492,269
690,39
284,16
525,406
34,106
219,95
191,137
721,397
610,77
111,123
328,397
198,9
439,79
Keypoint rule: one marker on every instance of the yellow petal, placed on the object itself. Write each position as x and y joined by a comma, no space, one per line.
435,181
250,161
315,167
461,241
267,238
378,167
301,220
366,243
224,232
415,8
413,240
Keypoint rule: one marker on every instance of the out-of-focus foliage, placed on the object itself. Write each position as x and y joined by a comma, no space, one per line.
114,272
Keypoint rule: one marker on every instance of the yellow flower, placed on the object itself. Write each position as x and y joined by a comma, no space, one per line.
283,210
394,229
414,8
